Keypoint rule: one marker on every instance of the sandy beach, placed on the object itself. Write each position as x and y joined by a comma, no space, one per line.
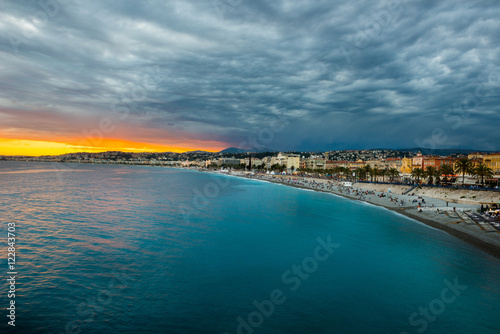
444,211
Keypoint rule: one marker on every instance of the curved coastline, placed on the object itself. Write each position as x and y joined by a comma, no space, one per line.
490,246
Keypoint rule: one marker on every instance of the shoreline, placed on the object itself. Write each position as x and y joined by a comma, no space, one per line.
488,242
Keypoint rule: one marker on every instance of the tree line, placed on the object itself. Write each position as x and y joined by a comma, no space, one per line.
444,174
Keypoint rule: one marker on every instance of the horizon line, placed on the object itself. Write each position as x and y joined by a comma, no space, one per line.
247,151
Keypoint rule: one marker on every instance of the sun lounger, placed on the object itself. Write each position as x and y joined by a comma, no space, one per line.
496,226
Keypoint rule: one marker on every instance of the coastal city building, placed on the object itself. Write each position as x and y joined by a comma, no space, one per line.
493,161
314,163
357,164
437,162
406,165
395,163
290,162
475,155
418,160
232,162
255,162
374,163
293,162
330,164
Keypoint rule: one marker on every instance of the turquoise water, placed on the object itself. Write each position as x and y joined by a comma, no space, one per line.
129,249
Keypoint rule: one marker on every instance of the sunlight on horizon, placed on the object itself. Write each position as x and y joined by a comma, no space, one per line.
40,148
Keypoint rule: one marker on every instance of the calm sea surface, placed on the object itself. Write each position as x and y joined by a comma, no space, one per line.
129,249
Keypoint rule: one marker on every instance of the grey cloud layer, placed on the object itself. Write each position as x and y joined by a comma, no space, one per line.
343,74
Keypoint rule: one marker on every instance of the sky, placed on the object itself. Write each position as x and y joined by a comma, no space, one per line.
284,74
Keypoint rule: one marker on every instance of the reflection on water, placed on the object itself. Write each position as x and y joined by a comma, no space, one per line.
108,249
29,171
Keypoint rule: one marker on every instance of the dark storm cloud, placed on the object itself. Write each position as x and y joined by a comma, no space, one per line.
341,74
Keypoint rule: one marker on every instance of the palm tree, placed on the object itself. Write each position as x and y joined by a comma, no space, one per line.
417,173
446,170
360,173
368,171
337,171
464,166
437,176
383,173
347,172
483,171
375,172
393,172
430,172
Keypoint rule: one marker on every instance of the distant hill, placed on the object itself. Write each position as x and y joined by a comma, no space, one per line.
198,151
425,151
240,150
443,151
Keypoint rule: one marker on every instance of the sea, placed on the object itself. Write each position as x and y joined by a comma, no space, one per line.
139,249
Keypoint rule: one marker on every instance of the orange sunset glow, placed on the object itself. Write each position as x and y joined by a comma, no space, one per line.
39,147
